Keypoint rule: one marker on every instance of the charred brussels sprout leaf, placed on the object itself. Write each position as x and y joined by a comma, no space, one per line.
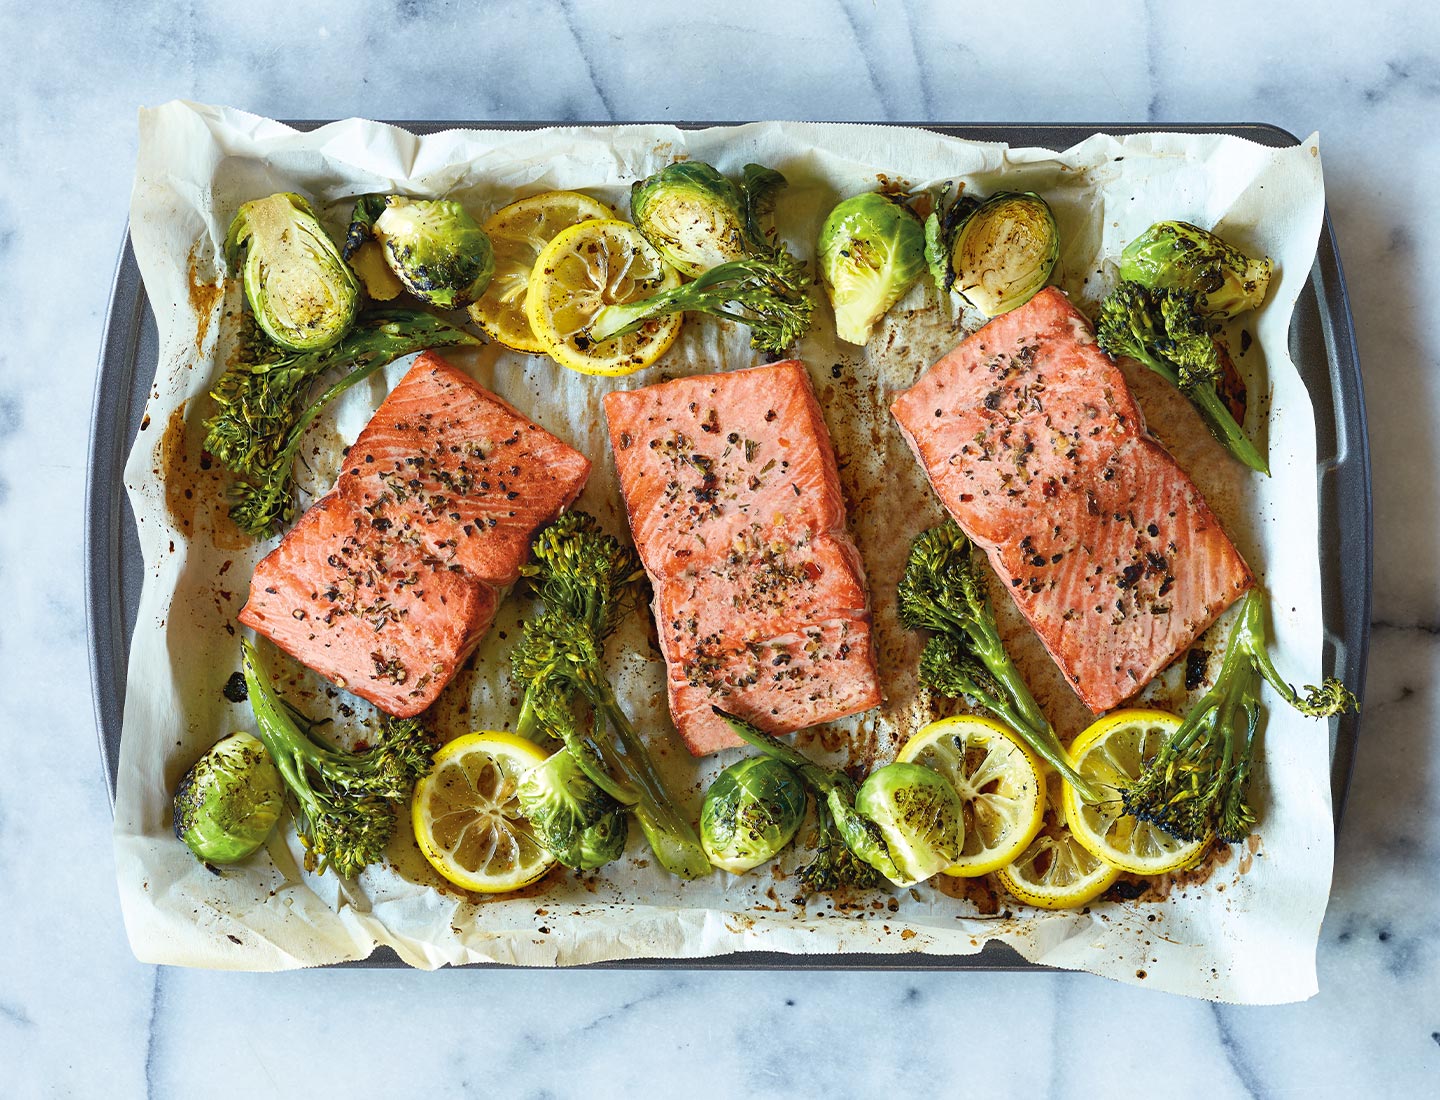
872,250
751,812
919,815
694,216
228,803
1184,257
303,294
433,246
1003,251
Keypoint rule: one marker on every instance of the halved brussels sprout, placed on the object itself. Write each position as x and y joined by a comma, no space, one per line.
437,249
1004,251
1180,256
303,294
227,804
871,249
919,815
751,812
693,215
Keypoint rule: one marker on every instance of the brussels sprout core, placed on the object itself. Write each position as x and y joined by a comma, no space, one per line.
751,812
437,249
919,815
303,295
227,804
1004,252
872,249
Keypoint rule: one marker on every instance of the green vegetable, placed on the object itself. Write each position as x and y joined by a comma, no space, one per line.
1164,330
871,251
693,215
1198,782
587,582
575,821
844,825
944,591
997,253
346,799
751,812
707,227
228,802
261,412
918,813
302,293
1181,256
433,246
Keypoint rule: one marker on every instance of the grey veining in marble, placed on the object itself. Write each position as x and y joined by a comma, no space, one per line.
78,1017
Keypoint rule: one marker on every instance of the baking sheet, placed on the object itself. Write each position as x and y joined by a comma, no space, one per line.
930,945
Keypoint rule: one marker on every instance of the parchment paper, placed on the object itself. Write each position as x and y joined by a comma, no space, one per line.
1242,928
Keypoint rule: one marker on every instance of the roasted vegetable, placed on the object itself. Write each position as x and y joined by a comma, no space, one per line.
707,227
944,590
997,253
228,802
346,799
587,581
1164,330
915,833
1184,257
302,293
751,812
436,249
1198,783
576,822
262,412
871,251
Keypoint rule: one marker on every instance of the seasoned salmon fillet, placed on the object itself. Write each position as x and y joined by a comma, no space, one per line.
378,616
448,462
734,501
1034,443
390,580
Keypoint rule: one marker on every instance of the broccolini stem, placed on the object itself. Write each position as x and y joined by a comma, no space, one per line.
1223,426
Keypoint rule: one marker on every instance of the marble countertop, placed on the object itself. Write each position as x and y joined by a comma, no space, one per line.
78,1016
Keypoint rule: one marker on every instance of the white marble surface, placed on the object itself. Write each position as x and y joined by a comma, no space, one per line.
79,1017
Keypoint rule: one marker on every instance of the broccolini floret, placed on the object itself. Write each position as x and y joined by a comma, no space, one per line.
944,591
346,799
1198,783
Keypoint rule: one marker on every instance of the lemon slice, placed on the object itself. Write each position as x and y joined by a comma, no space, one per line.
519,233
1112,752
1055,872
998,781
584,269
467,818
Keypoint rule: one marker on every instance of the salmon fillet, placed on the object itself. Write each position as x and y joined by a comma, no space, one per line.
1034,443
734,501
391,579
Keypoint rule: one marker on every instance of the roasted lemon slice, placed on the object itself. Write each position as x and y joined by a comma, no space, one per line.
584,269
1055,872
519,233
467,817
1112,752
998,781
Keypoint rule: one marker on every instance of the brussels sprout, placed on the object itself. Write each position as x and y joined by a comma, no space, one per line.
751,812
693,215
919,815
303,294
227,804
1181,256
435,247
872,249
575,821
1002,253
